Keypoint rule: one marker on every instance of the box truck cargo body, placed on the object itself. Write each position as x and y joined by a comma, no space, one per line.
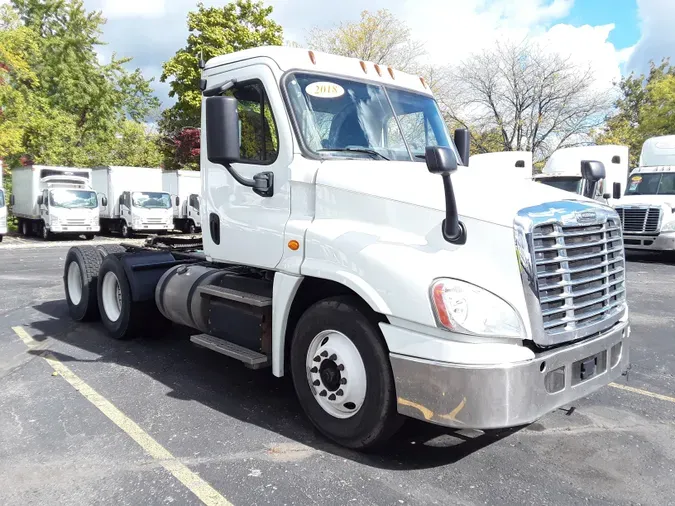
135,198
3,207
54,200
184,187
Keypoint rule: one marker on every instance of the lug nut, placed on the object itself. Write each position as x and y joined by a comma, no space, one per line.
323,393
341,367
343,381
333,357
332,397
316,383
314,370
324,353
317,359
340,392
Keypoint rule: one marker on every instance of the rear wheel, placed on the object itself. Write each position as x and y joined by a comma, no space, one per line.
25,228
106,249
122,317
80,282
342,375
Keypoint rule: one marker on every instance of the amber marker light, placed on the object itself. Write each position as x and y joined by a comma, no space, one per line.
294,245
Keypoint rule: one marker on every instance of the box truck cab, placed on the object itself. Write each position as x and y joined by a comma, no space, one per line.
348,245
184,187
51,201
563,171
136,201
512,164
647,208
3,207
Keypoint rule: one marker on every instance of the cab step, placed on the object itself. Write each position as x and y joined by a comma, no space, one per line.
245,298
251,359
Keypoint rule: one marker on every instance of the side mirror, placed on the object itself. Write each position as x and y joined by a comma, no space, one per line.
11,200
222,130
104,201
616,190
40,200
222,143
592,170
463,143
442,160
177,201
121,200
520,164
606,196
616,159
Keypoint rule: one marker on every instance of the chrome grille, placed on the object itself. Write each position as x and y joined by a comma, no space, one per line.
75,222
580,278
154,220
639,219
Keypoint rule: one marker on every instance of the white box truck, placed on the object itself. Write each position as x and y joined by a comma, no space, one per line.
184,186
563,170
136,200
3,206
51,201
347,244
647,208
512,164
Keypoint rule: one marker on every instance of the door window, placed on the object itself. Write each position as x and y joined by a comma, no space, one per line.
258,136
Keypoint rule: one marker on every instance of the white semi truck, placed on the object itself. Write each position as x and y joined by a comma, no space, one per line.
384,288
512,164
184,187
647,208
136,200
563,170
50,201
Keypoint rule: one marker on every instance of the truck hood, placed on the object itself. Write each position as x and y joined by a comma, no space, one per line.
494,199
646,200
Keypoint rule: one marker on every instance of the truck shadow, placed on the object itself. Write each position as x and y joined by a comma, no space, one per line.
650,257
225,385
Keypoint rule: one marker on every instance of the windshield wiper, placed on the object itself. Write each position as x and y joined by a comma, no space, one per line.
358,150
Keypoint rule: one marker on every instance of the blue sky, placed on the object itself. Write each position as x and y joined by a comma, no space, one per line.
613,36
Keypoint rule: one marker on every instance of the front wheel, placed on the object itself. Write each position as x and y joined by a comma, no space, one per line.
191,227
45,233
342,375
89,237
127,232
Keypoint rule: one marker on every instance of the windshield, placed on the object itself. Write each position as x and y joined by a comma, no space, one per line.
346,118
563,183
151,200
72,199
652,184
2,198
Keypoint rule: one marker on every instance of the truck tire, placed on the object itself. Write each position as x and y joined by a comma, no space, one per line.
191,229
127,231
25,227
89,237
45,233
342,375
106,249
80,282
121,316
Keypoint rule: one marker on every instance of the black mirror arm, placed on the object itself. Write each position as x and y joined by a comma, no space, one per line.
262,183
454,231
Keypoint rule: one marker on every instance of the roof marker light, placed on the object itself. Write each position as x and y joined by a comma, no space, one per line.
363,66
312,57
377,69
391,72
424,83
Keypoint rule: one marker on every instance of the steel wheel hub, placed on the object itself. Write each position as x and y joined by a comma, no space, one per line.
336,374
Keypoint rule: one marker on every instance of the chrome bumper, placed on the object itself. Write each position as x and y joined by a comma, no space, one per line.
665,241
511,394
75,229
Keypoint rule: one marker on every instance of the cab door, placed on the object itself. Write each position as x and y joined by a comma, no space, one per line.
125,207
44,207
238,225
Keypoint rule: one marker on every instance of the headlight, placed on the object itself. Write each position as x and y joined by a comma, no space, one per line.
668,227
468,309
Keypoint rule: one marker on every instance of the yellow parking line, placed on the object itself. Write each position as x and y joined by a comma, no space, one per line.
642,392
205,492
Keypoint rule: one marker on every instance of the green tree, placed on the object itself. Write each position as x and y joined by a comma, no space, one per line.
378,37
644,109
214,31
76,107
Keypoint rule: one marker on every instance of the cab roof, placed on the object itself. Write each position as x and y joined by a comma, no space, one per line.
291,58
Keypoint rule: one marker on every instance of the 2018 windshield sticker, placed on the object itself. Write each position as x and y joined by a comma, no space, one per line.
325,89
634,182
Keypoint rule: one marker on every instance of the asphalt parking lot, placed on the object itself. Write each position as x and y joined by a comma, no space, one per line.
161,421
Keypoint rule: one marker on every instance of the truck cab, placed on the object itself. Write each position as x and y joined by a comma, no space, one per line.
647,208
563,171
347,243
146,211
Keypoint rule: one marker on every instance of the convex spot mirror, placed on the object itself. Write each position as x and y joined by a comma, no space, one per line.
592,170
440,160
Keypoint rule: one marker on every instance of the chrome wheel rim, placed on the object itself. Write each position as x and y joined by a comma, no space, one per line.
336,374
74,283
111,296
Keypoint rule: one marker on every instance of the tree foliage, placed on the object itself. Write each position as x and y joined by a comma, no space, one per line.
214,31
645,108
60,104
525,98
378,37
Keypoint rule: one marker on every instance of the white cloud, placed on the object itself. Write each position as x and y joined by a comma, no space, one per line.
658,34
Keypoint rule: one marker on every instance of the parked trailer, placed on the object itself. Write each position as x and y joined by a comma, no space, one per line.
511,164
136,200
333,256
184,187
50,201
3,207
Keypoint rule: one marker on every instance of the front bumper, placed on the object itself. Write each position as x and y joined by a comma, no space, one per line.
75,229
665,241
152,227
508,394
